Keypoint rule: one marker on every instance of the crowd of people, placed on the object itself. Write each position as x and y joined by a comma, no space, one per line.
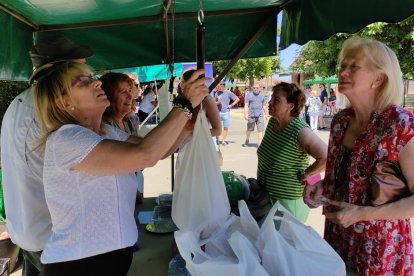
72,214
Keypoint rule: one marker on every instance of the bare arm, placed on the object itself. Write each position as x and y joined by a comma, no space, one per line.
315,147
246,110
234,102
133,139
404,208
213,116
183,135
124,157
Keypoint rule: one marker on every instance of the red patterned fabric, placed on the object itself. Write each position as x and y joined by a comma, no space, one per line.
375,247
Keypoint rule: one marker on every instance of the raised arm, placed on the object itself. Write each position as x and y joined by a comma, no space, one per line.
114,157
246,108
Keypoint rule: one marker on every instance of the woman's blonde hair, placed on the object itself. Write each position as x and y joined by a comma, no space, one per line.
382,59
50,89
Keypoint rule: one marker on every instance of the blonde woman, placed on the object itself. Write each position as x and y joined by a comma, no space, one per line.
89,167
372,240
314,108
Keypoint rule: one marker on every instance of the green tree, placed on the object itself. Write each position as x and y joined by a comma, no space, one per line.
319,57
8,91
249,68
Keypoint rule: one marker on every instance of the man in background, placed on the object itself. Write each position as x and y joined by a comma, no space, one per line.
255,112
324,101
222,97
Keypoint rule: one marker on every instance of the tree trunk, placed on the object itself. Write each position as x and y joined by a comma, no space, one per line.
251,82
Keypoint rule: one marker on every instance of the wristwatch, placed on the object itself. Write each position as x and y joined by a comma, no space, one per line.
301,175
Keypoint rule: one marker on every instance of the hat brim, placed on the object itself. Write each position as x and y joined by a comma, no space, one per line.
79,53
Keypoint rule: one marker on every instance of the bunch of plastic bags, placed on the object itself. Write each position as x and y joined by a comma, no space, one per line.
213,242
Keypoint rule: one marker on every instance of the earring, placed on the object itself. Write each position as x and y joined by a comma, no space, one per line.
373,86
72,108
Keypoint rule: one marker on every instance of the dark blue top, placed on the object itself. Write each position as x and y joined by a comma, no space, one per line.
324,95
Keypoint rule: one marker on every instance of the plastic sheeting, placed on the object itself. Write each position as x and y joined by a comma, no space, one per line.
133,43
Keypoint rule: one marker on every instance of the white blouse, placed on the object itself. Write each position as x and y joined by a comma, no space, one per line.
91,214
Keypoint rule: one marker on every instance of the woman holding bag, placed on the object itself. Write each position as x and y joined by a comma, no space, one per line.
372,239
89,170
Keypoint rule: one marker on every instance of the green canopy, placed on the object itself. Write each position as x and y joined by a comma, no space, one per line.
153,72
328,80
131,33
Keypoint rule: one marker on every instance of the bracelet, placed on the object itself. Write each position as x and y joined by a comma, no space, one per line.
185,110
184,105
183,102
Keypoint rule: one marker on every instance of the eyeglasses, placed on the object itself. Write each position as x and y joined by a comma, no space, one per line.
84,80
352,68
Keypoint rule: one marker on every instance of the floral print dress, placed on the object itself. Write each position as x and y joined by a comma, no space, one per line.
375,247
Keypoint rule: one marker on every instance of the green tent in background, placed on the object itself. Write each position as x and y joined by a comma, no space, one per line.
153,72
327,80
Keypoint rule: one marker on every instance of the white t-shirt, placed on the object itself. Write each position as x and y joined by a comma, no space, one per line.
146,105
91,214
28,219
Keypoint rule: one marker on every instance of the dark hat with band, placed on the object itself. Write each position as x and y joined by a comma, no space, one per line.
55,49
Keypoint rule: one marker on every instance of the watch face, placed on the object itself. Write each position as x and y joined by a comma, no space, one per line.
300,175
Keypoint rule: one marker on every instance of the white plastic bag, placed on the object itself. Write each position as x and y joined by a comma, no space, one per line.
229,251
295,249
200,202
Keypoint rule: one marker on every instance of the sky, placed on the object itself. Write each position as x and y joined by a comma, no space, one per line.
288,55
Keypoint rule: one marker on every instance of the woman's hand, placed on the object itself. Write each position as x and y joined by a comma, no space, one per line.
312,195
195,89
343,213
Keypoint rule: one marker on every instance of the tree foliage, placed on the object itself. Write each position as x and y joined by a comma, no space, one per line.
249,68
8,91
319,57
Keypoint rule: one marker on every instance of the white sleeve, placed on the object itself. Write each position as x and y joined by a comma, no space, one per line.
114,133
69,145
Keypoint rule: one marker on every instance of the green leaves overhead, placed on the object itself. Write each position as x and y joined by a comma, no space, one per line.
249,68
319,57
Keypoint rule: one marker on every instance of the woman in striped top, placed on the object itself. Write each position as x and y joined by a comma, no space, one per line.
284,152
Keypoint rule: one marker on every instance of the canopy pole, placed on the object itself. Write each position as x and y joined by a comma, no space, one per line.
167,5
200,52
245,48
170,61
